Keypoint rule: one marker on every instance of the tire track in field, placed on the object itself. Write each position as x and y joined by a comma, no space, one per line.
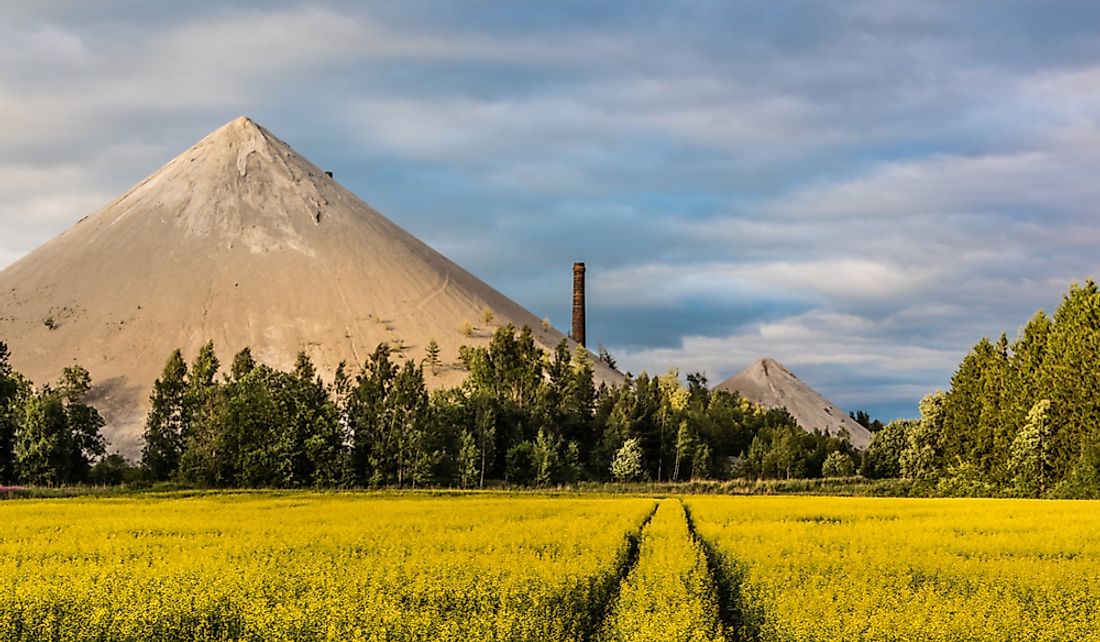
602,610
741,622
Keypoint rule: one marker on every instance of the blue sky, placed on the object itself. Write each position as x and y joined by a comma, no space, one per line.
861,190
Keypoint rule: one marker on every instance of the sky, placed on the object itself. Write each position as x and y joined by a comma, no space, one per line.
861,190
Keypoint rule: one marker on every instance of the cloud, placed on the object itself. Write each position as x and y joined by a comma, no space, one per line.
861,190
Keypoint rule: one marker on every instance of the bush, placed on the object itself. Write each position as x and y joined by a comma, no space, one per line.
113,470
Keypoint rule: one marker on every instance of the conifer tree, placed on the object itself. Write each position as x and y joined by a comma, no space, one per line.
432,357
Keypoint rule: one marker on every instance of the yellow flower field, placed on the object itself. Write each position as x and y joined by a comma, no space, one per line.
840,569
346,566
310,567
670,594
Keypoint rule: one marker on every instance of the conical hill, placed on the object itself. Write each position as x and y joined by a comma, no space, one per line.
768,383
242,241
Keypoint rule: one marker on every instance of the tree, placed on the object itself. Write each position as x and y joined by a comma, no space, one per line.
112,470
366,408
882,458
922,458
605,357
838,464
243,364
701,462
627,464
468,457
200,459
83,420
520,463
319,456
547,459
1031,459
863,418
432,357
485,433
166,423
44,450
685,447
9,403
407,414
60,433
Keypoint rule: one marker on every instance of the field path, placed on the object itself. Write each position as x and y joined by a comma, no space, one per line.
670,593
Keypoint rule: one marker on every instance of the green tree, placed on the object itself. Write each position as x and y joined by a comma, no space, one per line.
45,446
167,421
547,459
882,458
701,462
838,464
485,433
627,464
520,463
84,421
1070,376
922,458
60,434
1031,458
685,447
468,459
407,413
9,419
112,470
315,444
366,414
199,462
432,357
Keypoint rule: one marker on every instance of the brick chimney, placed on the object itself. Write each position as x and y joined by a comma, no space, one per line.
578,303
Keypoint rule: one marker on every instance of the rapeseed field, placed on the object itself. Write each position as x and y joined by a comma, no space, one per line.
838,569
345,566
310,567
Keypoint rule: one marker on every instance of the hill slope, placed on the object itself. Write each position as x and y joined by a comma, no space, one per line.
768,383
242,241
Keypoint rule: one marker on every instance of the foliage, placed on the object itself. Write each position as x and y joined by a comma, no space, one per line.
1031,458
11,390
863,418
838,464
882,457
167,420
627,464
431,356
1022,416
923,456
59,434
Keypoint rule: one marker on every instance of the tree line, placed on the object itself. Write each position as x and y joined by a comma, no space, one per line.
51,435
1020,417
522,415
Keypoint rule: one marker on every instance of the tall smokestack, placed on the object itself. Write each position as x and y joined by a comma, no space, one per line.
578,303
